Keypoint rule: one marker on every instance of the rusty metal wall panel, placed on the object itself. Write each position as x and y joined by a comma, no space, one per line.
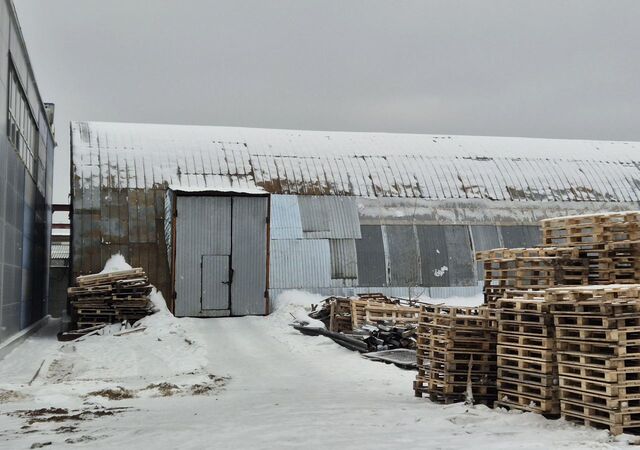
299,264
344,259
434,256
372,269
203,227
285,217
249,255
402,255
168,224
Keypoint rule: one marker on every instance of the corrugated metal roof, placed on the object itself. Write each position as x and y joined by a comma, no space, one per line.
121,155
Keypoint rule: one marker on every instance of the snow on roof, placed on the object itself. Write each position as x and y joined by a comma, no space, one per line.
127,155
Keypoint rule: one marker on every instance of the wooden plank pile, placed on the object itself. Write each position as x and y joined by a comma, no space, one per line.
598,351
101,299
609,242
529,268
527,371
456,354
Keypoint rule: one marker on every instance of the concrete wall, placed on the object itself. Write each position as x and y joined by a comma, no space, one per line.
25,198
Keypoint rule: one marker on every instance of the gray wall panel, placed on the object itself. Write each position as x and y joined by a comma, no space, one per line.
371,257
403,256
249,255
300,264
285,217
329,217
433,255
520,236
460,255
344,259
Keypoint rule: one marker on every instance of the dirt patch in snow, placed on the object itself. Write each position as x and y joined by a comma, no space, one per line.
8,395
44,415
164,389
117,393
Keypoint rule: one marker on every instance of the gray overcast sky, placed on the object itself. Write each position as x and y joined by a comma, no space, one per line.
537,68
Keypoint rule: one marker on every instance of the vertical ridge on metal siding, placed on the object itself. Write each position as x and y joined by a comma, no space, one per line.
344,260
299,263
285,217
371,257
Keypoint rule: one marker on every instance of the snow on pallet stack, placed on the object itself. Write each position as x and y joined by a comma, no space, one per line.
101,299
456,354
598,340
527,372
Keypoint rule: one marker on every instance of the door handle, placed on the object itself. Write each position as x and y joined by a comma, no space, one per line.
228,283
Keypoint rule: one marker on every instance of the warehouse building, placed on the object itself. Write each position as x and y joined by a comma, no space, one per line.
26,172
223,219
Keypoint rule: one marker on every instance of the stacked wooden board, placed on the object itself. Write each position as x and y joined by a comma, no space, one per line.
100,299
529,268
598,351
608,242
527,371
456,354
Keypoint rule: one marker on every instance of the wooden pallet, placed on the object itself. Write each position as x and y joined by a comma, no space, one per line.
533,378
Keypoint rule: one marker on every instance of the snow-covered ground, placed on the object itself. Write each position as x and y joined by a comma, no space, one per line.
250,382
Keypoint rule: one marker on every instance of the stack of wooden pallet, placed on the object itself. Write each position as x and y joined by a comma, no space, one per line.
609,242
110,297
339,314
527,373
365,312
456,353
598,340
529,268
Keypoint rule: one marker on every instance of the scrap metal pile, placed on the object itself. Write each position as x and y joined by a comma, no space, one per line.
368,322
101,299
566,316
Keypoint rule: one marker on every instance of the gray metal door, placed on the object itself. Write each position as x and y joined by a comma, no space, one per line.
215,282
249,258
203,227
221,255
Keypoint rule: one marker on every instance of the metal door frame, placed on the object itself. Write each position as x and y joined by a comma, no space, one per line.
174,214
